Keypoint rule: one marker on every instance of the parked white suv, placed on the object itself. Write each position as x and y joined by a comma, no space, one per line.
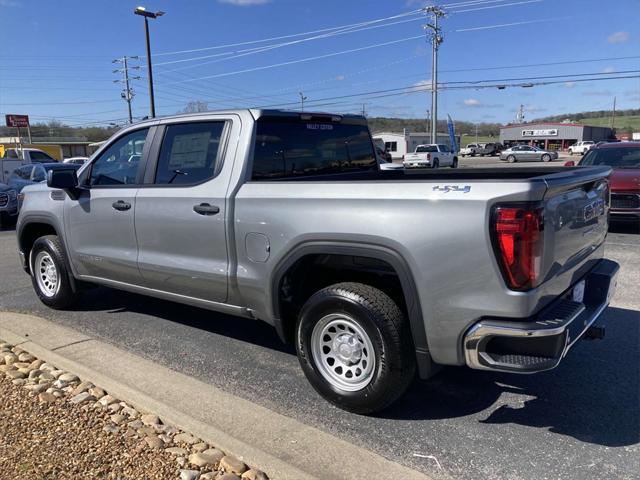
581,147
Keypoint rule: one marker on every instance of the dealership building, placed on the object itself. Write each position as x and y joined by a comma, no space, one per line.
552,136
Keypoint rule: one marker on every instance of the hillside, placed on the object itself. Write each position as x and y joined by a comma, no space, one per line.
626,120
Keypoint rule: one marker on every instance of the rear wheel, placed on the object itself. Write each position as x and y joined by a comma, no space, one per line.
511,159
436,163
454,164
49,273
354,347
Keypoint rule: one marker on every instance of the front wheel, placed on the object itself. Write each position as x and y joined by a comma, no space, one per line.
49,273
546,158
354,347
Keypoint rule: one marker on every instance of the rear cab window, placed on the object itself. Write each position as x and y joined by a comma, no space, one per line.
426,149
290,147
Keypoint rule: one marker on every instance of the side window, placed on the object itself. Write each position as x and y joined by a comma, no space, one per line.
119,163
40,157
391,146
189,153
39,174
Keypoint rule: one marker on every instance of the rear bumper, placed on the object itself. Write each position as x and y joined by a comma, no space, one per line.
540,343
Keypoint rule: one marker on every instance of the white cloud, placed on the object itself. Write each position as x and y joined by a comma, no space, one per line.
9,3
618,37
472,102
244,3
422,86
569,84
599,93
609,70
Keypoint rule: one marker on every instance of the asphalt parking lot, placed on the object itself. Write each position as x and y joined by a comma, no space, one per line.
578,421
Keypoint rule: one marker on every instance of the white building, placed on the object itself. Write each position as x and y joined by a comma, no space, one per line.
398,144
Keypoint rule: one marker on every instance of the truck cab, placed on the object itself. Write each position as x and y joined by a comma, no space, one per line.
13,158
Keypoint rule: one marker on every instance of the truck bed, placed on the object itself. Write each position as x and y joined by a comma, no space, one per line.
454,174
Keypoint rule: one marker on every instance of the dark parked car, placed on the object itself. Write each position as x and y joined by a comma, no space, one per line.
624,158
491,149
34,173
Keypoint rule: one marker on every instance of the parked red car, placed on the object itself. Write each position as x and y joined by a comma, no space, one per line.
625,179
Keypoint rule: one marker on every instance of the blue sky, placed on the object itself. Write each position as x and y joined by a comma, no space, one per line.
56,56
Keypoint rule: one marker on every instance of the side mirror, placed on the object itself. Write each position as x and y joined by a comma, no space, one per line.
570,163
64,179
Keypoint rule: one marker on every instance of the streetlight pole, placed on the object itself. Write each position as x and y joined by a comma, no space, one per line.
302,99
147,15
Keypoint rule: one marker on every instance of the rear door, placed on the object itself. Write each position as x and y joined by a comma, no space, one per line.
182,209
101,235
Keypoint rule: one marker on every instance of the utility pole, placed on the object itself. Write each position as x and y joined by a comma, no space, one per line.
127,93
434,35
613,114
520,114
302,99
476,133
428,119
364,111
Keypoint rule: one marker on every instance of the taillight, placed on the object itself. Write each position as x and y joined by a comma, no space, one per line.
517,233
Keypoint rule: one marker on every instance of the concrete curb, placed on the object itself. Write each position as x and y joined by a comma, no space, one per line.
284,448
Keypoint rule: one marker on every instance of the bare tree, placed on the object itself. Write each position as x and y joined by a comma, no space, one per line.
196,106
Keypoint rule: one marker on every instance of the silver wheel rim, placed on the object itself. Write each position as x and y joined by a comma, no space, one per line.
343,352
46,273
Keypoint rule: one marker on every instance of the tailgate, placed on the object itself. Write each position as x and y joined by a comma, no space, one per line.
576,206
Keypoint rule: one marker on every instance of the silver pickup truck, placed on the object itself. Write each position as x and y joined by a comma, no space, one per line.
285,217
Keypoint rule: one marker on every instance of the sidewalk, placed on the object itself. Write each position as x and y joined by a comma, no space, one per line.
279,445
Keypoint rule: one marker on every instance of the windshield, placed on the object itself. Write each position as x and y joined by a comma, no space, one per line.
426,149
628,157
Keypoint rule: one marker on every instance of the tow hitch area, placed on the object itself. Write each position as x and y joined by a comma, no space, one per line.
594,333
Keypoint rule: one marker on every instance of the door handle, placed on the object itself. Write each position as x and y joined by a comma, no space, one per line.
121,205
206,209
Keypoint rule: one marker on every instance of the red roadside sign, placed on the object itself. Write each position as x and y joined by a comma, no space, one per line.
19,121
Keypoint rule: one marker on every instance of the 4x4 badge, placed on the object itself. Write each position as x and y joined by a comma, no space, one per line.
452,188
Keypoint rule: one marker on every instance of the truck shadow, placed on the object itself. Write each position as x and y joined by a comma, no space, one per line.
593,396
253,331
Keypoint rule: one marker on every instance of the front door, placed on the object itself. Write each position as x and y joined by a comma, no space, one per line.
181,216
101,238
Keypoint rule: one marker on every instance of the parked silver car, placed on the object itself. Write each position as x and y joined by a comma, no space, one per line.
527,153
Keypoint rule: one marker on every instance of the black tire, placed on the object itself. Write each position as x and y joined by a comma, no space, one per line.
64,296
383,322
511,159
546,158
455,162
436,163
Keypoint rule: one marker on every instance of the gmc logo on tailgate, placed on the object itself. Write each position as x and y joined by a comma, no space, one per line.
593,210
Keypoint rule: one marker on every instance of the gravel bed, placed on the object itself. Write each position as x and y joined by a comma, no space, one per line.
53,425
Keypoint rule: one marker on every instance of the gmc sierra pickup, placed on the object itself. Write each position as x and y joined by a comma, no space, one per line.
285,217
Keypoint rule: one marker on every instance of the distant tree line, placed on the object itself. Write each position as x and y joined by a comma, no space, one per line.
55,128
412,125
576,117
